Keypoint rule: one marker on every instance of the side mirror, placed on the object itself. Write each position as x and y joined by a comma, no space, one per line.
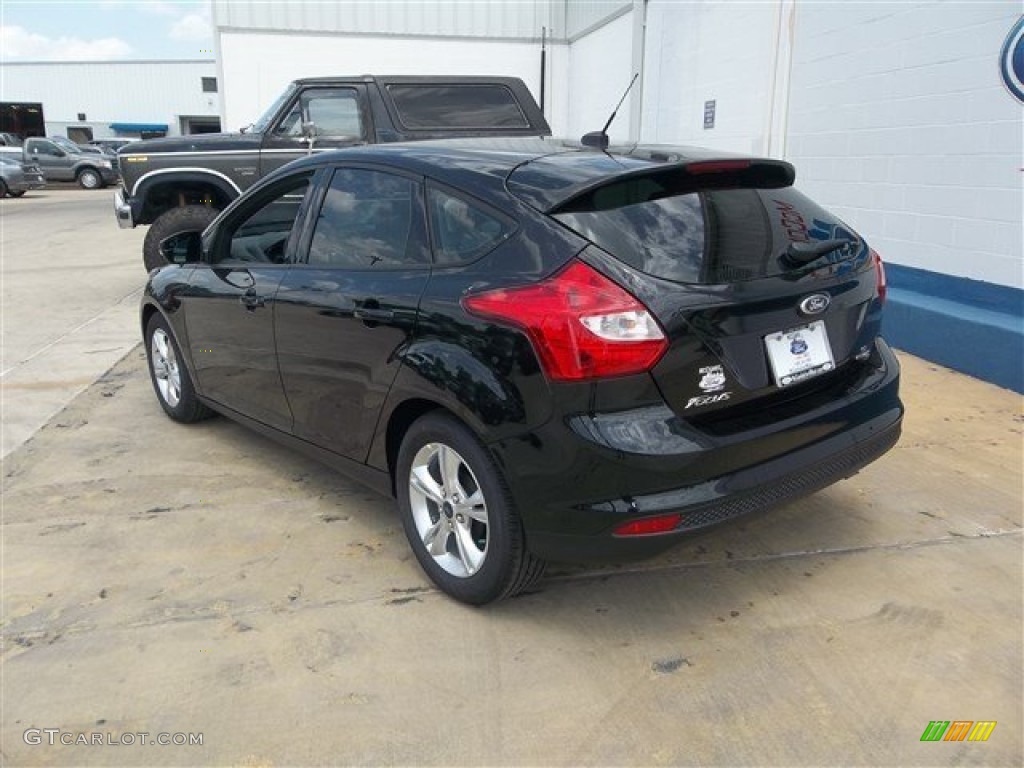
59,153
182,248
596,139
309,130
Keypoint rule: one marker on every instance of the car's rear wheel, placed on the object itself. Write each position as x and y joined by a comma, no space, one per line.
458,514
171,380
89,178
176,221
12,193
3,188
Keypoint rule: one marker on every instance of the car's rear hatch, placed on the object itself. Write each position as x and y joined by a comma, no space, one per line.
768,301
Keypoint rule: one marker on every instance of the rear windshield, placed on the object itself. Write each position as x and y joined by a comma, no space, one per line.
428,107
710,236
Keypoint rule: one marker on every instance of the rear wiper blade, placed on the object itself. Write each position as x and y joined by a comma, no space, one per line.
804,253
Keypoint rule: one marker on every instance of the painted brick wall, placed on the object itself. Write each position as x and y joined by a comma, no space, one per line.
899,123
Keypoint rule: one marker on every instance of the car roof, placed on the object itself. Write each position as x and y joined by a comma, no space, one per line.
542,172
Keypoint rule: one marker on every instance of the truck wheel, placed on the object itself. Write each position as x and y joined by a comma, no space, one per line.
177,221
89,178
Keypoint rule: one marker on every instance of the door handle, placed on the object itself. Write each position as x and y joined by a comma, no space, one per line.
370,313
373,314
251,300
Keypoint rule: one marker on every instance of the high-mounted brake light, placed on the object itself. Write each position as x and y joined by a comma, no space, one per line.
880,283
582,325
717,166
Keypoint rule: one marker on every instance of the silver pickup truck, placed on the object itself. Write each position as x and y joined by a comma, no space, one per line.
65,161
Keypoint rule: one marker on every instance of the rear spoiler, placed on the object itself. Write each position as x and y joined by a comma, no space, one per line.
677,178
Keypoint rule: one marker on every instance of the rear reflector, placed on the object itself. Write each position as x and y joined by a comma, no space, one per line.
648,525
582,325
880,283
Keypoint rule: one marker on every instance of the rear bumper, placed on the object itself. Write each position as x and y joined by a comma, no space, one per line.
573,493
123,211
30,181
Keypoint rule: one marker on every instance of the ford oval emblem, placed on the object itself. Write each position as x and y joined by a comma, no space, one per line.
1011,61
815,304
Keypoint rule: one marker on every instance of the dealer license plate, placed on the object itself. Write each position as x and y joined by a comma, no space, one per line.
799,354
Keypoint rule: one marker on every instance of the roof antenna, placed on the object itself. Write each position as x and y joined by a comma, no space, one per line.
599,139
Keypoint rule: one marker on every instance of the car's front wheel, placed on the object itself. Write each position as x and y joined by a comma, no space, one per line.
458,514
171,380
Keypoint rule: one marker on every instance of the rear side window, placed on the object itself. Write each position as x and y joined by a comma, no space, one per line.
429,107
463,232
369,220
709,236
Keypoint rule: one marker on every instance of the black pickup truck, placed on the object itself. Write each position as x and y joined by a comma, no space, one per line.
180,184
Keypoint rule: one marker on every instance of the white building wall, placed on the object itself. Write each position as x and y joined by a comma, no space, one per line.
112,92
702,51
600,67
899,123
257,66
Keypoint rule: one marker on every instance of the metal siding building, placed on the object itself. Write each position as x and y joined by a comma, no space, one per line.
126,92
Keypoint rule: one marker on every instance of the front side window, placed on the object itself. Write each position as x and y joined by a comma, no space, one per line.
334,112
462,232
45,148
369,220
261,236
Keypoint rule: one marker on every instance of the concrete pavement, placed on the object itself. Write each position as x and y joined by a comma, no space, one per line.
69,298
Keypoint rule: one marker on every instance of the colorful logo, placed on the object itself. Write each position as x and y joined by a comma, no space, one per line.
1011,60
958,730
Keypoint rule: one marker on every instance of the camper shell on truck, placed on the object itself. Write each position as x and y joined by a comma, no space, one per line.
180,184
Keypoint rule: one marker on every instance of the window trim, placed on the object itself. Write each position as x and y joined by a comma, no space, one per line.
420,218
490,210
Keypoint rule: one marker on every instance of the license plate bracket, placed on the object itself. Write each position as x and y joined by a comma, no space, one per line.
799,354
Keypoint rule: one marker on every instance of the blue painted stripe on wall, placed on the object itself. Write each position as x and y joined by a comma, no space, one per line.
967,325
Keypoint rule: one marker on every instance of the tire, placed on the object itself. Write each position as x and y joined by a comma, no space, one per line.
90,178
169,374
176,221
3,189
466,532
19,193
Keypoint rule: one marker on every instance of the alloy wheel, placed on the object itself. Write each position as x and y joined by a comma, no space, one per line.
448,509
165,368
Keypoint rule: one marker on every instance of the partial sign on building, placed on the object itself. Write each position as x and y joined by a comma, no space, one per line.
709,114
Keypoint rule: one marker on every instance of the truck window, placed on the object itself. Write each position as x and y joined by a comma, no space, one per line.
335,111
427,107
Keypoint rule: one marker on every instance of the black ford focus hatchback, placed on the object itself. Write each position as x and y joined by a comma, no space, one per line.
544,352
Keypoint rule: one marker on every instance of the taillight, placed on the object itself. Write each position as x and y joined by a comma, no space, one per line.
582,325
879,275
